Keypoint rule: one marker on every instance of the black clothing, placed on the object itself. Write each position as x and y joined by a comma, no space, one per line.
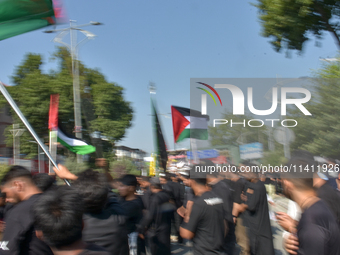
174,189
94,250
189,196
317,231
238,187
146,198
207,223
134,213
20,232
222,190
157,222
107,228
332,198
257,220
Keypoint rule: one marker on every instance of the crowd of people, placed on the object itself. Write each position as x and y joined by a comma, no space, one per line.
223,213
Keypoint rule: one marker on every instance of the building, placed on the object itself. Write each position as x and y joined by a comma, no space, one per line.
124,152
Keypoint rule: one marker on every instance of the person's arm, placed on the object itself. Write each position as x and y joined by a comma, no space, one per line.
64,173
188,210
187,230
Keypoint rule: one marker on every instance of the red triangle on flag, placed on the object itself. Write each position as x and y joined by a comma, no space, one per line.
179,122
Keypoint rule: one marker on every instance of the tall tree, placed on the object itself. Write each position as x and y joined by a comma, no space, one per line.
107,113
290,23
319,133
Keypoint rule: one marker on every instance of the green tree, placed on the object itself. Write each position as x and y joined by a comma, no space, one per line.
105,111
291,23
319,133
227,135
121,167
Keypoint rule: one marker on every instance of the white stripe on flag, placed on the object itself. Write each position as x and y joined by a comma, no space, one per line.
196,123
70,141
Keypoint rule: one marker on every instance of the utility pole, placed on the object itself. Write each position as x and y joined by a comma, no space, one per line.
73,47
16,132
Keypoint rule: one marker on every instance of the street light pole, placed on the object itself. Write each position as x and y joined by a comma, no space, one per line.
73,47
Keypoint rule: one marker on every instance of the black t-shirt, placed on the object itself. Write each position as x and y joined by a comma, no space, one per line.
20,232
92,249
222,190
107,228
238,187
256,215
332,198
318,232
207,223
134,213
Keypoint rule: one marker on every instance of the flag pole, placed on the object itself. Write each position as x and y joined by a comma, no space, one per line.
28,126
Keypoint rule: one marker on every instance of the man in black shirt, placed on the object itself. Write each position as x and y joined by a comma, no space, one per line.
19,235
174,190
238,186
257,217
104,217
328,194
156,223
222,190
58,220
206,223
317,231
133,207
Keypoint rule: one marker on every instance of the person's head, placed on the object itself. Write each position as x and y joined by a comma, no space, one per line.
295,183
212,177
44,181
93,188
173,177
250,171
144,181
155,185
199,185
186,178
164,178
58,217
17,184
128,184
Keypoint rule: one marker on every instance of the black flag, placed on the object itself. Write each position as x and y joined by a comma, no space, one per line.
162,155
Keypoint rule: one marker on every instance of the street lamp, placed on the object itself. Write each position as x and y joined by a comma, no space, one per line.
73,48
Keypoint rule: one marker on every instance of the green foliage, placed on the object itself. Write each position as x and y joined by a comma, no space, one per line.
274,158
291,23
106,111
319,133
226,135
121,167
3,170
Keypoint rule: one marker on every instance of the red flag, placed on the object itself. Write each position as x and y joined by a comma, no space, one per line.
53,114
179,122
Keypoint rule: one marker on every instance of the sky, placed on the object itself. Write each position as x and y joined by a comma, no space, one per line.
167,43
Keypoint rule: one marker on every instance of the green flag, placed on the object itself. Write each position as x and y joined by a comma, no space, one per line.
21,16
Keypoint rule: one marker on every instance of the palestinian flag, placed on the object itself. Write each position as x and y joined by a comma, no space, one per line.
21,16
74,144
70,142
189,123
162,155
